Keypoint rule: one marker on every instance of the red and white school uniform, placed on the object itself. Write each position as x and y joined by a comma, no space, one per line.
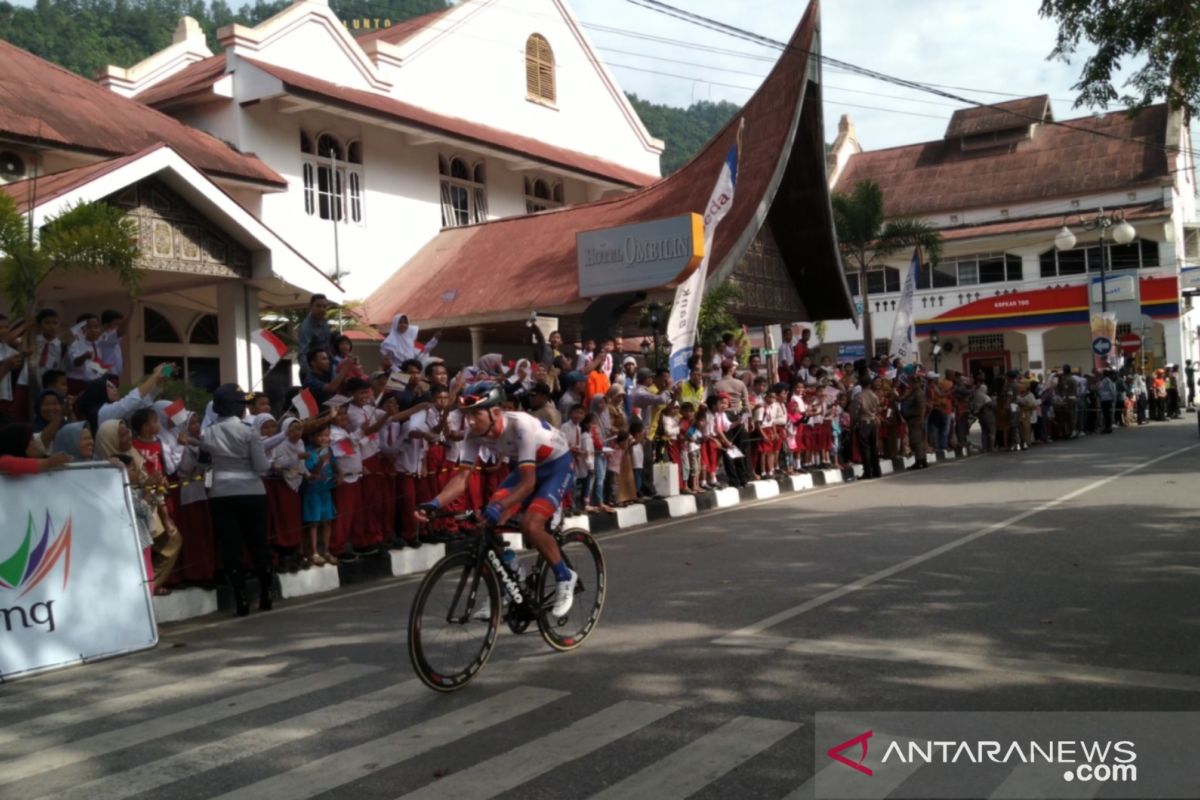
347,495
378,490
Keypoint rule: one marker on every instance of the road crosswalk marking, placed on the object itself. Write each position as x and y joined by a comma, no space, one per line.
251,742
694,766
158,727
37,733
510,770
838,780
345,766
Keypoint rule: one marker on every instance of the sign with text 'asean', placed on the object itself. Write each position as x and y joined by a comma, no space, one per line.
72,578
648,255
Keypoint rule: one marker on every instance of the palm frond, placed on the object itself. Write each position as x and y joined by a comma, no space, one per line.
93,237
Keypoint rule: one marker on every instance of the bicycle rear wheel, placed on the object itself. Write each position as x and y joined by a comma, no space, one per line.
582,554
446,643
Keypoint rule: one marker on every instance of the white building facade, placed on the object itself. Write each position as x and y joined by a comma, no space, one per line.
999,187
489,109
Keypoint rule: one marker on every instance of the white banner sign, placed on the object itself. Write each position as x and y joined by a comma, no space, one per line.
73,586
904,346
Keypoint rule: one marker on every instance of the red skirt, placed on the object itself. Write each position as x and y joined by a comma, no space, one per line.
406,506
709,455
198,557
823,437
347,524
286,523
378,505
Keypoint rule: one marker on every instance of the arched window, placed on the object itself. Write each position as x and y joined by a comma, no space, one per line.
464,191
539,69
158,329
205,330
332,175
541,194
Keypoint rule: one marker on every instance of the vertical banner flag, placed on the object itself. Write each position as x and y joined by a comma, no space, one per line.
904,345
272,346
1104,337
685,311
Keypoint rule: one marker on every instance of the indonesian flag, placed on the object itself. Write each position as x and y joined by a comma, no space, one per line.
343,447
272,346
177,412
94,368
306,405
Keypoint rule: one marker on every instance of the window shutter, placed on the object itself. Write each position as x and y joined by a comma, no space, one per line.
539,68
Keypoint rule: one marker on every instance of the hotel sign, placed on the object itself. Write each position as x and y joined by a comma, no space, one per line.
648,255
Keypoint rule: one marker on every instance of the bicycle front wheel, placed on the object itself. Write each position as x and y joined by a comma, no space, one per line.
453,623
582,554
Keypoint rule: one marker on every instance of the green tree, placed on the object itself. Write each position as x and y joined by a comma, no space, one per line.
88,237
866,238
1165,32
685,130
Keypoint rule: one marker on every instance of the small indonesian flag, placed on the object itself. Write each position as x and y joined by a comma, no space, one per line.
94,368
343,447
272,346
177,412
305,404
337,401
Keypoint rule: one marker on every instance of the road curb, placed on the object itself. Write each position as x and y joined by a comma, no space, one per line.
191,603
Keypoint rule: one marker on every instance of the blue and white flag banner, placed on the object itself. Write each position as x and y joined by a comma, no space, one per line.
904,345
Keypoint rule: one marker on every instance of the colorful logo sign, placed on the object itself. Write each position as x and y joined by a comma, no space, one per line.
860,742
30,564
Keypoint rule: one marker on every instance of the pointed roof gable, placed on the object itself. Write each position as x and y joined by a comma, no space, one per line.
41,102
499,270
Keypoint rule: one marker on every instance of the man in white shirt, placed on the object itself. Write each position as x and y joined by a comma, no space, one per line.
83,355
112,324
10,363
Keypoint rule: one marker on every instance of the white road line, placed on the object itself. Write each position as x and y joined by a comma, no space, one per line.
251,742
838,780
33,734
976,662
99,680
509,770
696,765
883,574
344,766
159,727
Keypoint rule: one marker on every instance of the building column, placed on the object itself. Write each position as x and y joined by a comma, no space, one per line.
1035,350
1173,335
135,338
476,343
237,310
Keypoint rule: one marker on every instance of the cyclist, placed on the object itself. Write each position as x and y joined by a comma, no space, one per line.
545,471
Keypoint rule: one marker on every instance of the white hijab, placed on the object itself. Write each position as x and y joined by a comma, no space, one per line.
400,346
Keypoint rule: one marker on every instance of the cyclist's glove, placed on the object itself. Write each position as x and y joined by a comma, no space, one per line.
492,513
430,506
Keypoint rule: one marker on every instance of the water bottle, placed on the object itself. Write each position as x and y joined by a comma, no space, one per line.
512,563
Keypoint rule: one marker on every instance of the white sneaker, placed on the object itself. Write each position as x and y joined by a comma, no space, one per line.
564,595
484,612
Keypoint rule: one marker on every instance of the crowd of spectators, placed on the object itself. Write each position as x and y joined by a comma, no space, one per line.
339,474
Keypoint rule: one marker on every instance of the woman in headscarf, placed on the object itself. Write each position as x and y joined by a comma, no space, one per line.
401,343
76,441
237,498
197,558
48,418
100,401
283,491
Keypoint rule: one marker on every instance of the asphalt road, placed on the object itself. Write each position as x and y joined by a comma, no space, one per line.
1063,578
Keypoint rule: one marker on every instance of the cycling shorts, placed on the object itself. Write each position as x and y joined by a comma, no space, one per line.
553,480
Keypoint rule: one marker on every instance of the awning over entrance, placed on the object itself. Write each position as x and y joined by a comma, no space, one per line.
498,271
1050,307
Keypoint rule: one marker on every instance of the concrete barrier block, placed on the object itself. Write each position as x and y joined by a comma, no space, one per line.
313,580
909,461
826,477
580,521
514,541
727,497
183,604
764,489
886,467
630,516
409,561
800,483
682,506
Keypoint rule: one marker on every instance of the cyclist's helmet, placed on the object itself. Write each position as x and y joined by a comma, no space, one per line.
482,394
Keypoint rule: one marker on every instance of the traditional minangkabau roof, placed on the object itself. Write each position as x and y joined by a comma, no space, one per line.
1059,161
498,271
46,105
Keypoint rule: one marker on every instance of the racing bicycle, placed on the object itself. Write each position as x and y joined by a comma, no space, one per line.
456,614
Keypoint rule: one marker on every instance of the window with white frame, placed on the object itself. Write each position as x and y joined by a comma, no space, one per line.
541,194
1136,255
970,271
333,179
464,191
879,281
1191,246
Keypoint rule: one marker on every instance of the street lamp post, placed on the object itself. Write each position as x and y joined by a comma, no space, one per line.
935,349
654,318
1122,233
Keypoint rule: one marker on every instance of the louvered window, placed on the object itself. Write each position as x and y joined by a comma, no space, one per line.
539,69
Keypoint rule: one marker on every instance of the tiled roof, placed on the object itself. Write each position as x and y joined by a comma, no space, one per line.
45,188
384,106
500,270
1057,162
40,102
1043,223
998,116
406,29
193,78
